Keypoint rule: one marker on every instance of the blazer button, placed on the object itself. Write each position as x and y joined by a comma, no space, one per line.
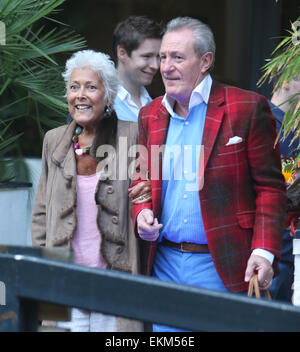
115,220
110,189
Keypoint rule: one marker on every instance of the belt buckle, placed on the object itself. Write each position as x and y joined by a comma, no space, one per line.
181,247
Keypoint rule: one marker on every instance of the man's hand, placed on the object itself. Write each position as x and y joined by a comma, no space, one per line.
148,227
261,266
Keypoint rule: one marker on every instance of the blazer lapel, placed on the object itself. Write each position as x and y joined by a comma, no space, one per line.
213,120
159,136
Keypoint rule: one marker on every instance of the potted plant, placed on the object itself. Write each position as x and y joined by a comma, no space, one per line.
31,90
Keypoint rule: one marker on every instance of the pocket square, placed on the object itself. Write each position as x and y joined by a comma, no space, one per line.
234,140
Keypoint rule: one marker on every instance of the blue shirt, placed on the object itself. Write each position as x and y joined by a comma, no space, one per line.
181,209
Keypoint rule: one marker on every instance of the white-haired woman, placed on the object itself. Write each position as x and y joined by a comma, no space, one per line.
82,197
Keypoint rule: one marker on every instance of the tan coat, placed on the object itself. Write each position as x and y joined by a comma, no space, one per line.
54,216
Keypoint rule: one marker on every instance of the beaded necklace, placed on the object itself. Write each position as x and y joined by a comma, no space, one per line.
79,151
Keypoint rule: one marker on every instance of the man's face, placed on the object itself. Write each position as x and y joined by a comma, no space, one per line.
181,69
143,63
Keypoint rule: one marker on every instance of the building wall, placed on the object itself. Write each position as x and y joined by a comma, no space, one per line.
246,31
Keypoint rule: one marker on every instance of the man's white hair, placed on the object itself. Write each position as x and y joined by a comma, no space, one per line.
203,36
98,62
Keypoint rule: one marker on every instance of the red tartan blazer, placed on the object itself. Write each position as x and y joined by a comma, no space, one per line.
243,198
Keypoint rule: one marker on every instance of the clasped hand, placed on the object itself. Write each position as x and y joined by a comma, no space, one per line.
148,226
261,266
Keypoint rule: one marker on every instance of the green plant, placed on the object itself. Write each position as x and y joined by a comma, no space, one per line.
31,86
6,166
284,67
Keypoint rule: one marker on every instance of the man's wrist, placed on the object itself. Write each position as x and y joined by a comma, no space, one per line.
143,210
264,253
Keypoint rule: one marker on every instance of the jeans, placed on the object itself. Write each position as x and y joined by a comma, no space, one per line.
170,264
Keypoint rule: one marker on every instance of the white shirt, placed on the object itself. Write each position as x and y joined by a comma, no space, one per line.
125,96
199,94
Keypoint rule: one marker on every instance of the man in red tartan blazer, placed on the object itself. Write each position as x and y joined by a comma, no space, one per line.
241,189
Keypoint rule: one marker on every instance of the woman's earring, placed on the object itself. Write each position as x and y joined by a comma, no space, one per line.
107,111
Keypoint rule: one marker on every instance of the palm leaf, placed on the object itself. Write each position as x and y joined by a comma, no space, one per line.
30,11
31,85
5,143
285,66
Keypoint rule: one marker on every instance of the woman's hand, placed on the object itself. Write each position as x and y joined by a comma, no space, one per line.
140,193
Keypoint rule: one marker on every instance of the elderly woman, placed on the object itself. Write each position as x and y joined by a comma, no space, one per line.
79,204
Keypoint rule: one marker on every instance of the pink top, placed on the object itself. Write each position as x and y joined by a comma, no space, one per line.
87,237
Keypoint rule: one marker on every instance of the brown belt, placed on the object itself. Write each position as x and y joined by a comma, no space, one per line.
187,246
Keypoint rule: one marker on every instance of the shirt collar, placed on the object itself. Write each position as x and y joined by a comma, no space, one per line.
199,94
123,94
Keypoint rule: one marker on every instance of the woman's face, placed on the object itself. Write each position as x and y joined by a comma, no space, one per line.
85,97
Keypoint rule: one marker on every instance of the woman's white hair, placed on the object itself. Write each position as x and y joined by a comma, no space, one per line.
101,64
